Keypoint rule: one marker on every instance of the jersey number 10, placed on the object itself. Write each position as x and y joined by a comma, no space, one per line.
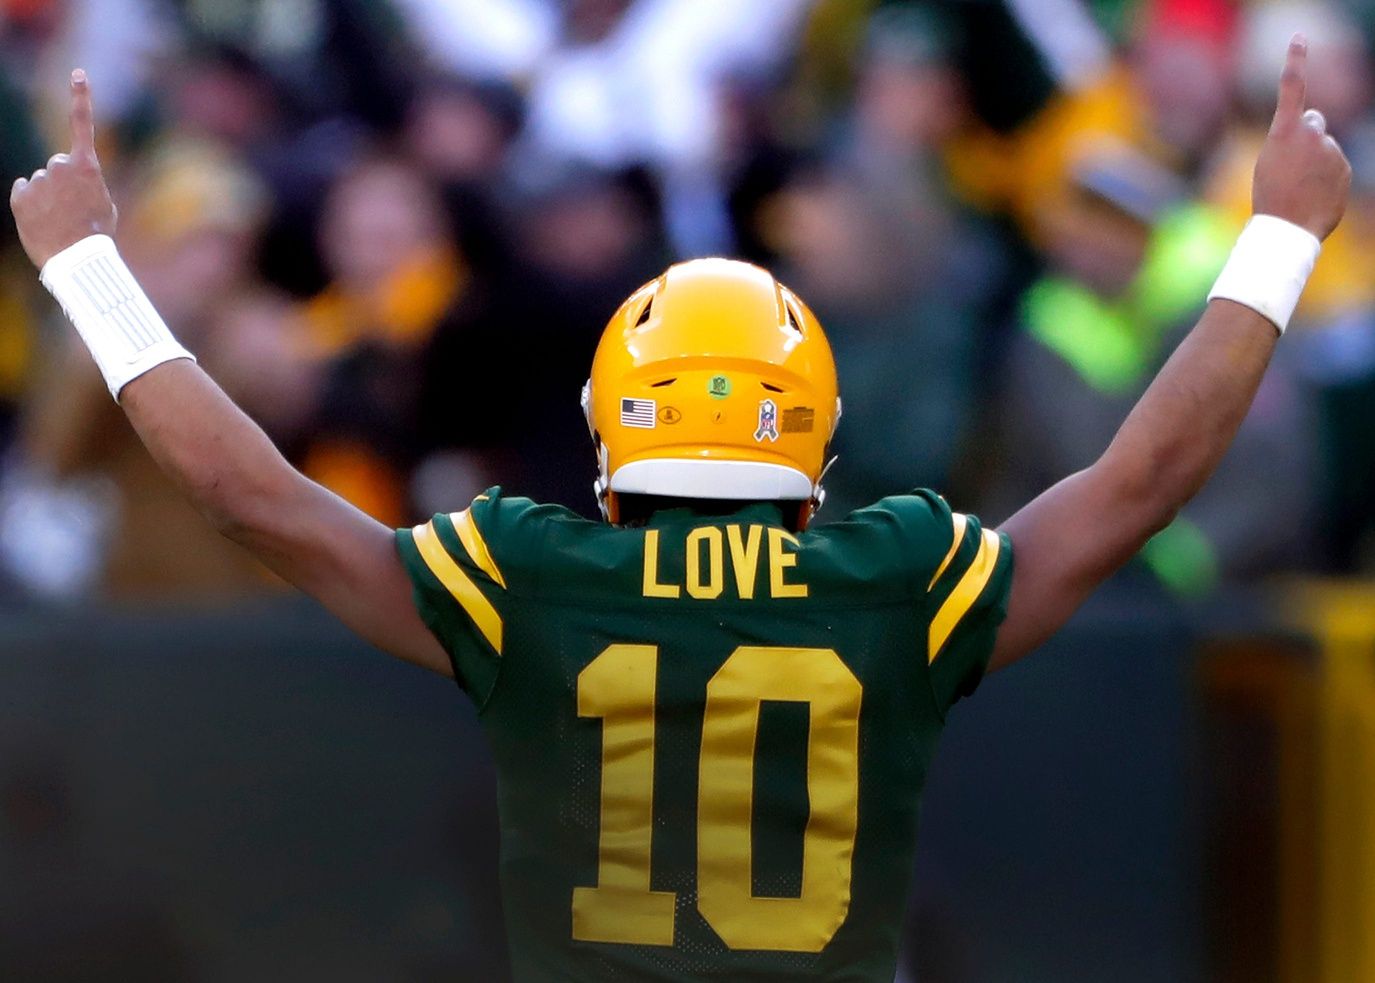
619,687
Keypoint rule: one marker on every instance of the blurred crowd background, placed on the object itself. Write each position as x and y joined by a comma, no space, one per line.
394,229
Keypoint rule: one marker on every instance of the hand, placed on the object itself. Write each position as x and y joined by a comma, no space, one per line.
66,201
1302,176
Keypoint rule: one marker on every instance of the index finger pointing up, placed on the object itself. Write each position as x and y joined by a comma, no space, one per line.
1293,85
82,119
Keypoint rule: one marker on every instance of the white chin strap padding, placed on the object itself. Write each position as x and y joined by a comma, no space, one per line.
602,484
744,480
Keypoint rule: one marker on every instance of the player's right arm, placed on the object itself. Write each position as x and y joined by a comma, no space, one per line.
1073,536
220,458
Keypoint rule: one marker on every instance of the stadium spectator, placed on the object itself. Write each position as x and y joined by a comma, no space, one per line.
1129,262
889,260
394,273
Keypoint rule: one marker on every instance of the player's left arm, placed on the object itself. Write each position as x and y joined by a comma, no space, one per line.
1075,535
211,449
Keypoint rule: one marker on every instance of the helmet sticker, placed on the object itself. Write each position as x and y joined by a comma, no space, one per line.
799,419
768,421
670,415
718,387
638,413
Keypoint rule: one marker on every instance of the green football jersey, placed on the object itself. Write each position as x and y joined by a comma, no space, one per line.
711,734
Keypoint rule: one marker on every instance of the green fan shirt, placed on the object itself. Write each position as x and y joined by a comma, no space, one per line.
711,735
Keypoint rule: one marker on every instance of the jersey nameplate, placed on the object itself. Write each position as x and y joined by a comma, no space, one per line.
706,552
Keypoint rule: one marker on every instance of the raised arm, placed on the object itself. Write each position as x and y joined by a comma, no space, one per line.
221,459
1074,536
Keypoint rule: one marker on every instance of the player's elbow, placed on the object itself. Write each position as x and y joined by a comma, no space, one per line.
230,522
1158,514
235,515
244,509
1151,487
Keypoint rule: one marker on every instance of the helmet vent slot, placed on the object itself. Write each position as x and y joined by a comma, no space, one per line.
663,382
794,321
644,314
772,388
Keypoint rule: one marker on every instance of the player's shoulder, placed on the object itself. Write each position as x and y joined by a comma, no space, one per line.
918,512
908,537
502,536
920,520
515,518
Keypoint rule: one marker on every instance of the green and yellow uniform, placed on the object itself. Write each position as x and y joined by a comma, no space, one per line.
711,735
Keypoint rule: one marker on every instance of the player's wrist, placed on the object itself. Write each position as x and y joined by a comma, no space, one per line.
110,311
1268,269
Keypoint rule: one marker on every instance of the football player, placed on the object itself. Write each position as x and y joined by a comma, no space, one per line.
711,717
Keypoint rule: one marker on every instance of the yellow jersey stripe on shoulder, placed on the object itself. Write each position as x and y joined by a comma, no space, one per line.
458,583
476,546
964,595
960,522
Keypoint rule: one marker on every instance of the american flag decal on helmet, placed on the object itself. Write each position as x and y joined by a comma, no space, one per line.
638,413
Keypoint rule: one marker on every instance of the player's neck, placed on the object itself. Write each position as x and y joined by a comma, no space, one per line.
644,510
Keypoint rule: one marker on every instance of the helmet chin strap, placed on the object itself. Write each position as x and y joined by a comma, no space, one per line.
602,486
819,492
813,505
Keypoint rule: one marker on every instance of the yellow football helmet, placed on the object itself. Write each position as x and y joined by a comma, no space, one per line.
714,381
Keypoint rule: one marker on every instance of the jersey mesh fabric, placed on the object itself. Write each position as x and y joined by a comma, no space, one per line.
886,588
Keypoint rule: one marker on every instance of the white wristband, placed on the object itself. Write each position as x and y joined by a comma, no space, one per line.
1268,268
110,311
